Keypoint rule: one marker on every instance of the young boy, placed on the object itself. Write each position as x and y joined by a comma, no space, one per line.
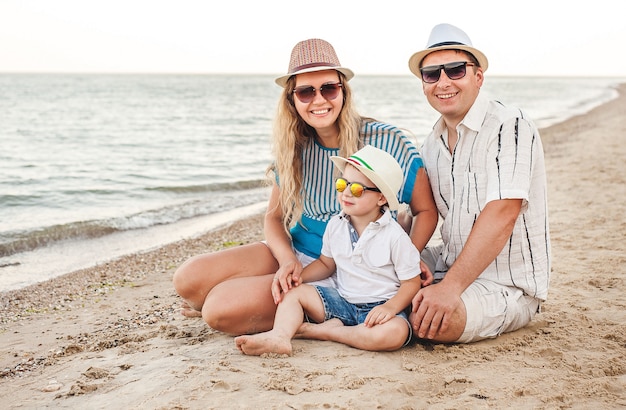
377,265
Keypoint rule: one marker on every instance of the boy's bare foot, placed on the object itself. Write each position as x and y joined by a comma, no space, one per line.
188,311
256,345
317,331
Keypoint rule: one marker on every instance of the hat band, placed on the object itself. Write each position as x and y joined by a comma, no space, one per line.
359,161
447,43
305,66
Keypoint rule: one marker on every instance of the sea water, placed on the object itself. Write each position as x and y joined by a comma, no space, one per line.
96,166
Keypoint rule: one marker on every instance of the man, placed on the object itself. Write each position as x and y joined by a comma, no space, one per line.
486,168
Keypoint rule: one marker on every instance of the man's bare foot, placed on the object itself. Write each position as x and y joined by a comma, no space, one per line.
317,331
188,311
256,345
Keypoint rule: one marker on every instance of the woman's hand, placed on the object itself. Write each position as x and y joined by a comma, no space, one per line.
285,278
426,275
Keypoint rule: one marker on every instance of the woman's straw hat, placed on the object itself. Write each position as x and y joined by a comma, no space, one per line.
313,55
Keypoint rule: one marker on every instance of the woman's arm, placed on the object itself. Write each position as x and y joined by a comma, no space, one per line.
319,269
424,210
279,242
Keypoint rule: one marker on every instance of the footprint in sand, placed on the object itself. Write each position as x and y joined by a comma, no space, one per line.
221,385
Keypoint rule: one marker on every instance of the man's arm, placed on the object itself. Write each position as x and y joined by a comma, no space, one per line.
438,312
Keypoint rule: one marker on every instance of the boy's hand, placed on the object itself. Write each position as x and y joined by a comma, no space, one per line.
379,315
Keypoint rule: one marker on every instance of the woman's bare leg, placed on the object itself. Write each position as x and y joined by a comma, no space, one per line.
241,306
199,277
188,311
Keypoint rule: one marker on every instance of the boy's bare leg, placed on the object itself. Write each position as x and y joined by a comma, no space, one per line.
266,342
289,317
388,336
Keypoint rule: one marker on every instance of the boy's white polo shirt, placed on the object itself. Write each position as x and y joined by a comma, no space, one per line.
370,270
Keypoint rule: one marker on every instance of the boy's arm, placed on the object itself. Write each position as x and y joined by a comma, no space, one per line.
321,268
388,310
406,291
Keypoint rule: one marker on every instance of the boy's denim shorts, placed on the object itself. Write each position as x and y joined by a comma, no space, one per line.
350,314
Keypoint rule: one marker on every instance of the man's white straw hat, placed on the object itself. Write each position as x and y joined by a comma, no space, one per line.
446,37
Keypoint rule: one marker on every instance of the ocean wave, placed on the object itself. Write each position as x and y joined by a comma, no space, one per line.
31,240
17,242
223,186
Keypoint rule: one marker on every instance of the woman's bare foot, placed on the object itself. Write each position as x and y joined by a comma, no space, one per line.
256,345
317,331
187,311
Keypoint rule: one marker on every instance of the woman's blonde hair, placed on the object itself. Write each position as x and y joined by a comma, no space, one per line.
292,134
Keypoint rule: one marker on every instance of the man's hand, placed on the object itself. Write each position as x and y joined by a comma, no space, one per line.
434,308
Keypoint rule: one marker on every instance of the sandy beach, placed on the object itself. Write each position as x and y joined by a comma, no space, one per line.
112,336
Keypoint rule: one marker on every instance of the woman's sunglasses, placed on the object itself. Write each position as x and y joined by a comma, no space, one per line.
454,71
356,189
306,93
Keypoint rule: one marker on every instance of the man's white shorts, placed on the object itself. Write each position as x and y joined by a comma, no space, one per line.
493,309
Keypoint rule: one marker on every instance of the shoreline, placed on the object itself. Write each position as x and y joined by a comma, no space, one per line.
113,334
65,257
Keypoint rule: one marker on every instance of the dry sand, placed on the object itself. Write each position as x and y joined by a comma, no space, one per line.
112,337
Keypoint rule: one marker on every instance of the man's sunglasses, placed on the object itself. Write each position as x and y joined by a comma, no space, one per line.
356,189
454,71
306,93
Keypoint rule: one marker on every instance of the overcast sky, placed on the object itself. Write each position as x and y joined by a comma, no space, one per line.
534,37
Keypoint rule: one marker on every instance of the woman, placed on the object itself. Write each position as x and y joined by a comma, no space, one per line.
316,119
